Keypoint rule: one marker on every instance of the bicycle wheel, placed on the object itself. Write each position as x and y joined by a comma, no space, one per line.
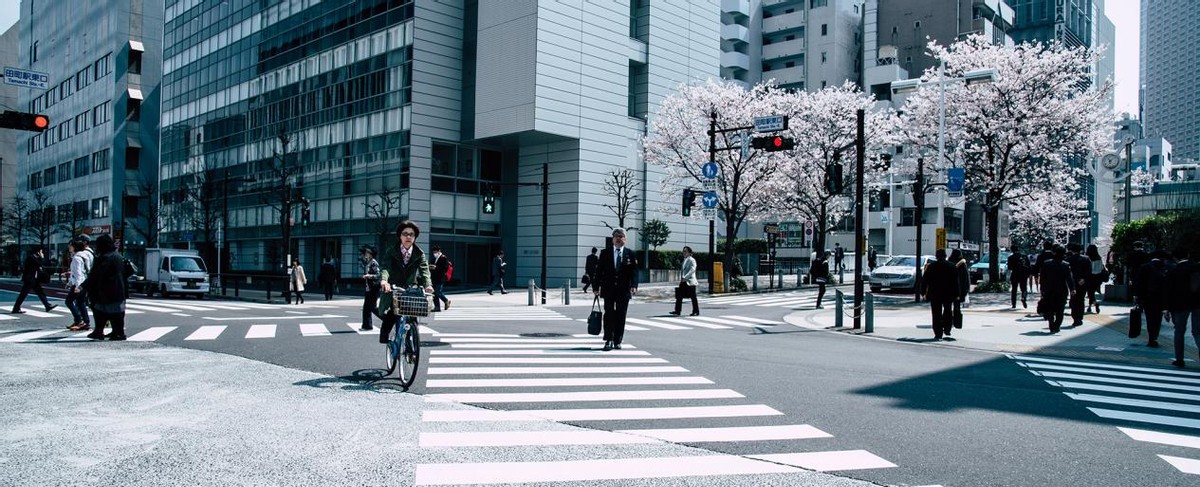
410,353
392,347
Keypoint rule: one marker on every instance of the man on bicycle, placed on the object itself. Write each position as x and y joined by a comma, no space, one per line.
404,265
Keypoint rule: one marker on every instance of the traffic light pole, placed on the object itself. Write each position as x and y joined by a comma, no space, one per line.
545,186
860,148
712,156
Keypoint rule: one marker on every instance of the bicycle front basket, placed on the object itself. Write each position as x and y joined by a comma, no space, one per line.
409,303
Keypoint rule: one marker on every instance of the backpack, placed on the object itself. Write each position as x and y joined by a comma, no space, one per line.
449,269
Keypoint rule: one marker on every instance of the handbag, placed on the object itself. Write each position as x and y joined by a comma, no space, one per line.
1135,322
596,318
958,318
585,279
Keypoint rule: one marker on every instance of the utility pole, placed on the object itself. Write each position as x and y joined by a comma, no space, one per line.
861,149
919,200
712,244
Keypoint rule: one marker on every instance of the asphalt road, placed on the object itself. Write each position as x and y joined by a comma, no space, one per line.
881,411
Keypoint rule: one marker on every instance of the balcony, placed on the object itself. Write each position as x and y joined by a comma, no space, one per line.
735,60
783,23
783,50
734,32
785,76
736,7
774,3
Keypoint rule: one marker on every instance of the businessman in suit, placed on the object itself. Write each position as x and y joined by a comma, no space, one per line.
616,280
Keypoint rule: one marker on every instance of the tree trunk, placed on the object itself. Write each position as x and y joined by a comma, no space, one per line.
821,228
992,213
730,226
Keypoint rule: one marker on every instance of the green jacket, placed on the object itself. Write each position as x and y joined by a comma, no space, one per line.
402,276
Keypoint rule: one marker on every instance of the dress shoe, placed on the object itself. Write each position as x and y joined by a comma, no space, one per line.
503,292
96,335
490,293
1152,344
695,313
673,313
115,337
447,305
607,346
51,307
18,311
1177,363
366,328
617,346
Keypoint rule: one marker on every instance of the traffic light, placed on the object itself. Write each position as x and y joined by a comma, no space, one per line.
834,179
24,121
304,217
689,201
489,204
773,144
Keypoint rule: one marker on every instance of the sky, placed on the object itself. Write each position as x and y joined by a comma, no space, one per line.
1124,14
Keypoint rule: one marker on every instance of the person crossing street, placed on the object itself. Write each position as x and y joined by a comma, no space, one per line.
31,280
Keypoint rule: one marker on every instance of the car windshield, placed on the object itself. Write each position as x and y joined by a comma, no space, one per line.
187,264
902,261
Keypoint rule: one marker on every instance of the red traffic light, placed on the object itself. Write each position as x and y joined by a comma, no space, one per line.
777,142
24,121
41,121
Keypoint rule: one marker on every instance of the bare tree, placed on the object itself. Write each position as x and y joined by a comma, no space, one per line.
380,206
281,194
622,185
200,193
41,216
153,219
16,217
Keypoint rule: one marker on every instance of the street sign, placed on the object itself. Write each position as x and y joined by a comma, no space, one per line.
956,177
189,237
772,123
710,199
709,213
745,144
771,229
885,217
709,184
710,170
941,238
25,78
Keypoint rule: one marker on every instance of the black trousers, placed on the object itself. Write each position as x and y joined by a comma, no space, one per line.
370,302
116,320
615,310
34,286
1054,306
1154,319
1077,301
943,316
820,292
686,291
328,288
1023,283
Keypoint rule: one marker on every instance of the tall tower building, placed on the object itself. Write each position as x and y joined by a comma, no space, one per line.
1169,69
90,171
397,110
801,44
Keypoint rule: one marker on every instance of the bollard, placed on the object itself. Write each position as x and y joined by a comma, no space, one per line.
268,291
799,281
870,312
755,287
839,301
780,279
567,292
237,287
531,286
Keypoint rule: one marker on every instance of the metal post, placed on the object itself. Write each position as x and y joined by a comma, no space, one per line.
861,147
567,292
839,300
755,287
531,286
545,223
1128,183
919,200
870,313
712,244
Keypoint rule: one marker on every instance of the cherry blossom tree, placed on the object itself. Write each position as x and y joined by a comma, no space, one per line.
824,126
678,141
1051,215
1014,136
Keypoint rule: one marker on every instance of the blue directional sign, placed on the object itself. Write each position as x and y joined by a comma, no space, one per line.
710,199
709,170
955,178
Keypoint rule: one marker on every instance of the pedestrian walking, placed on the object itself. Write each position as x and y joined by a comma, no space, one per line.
819,274
1018,276
498,265
687,284
1183,299
371,280
1150,288
404,266
963,278
589,269
439,267
106,288
81,265
296,281
1081,272
872,259
1134,260
940,287
31,280
1031,269
1057,287
1098,277
327,277
617,282
839,257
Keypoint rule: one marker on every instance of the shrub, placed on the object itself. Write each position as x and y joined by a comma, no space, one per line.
992,287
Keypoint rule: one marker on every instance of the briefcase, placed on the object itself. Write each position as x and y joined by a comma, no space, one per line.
596,318
1135,322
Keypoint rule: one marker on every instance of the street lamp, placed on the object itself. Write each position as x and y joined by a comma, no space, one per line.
969,78
225,221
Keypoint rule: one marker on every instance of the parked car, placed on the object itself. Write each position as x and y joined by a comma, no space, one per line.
897,273
980,269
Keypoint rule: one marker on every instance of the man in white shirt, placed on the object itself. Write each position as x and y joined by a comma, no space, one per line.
81,265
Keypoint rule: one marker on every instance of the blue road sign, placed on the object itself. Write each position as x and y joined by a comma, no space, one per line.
709,170
710,199
955,178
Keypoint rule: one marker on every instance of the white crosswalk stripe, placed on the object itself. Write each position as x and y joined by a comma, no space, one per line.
507,313
559,391
1134,394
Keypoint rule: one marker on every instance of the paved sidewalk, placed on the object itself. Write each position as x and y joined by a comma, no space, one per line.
991,324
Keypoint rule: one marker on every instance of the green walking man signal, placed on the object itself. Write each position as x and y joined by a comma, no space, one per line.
489,204
689,200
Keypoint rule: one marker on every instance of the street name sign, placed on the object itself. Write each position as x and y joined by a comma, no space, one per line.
25,78
772,123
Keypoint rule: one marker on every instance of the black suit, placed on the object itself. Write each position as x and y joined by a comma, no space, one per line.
616,281
939,284
30,282
1081,269
1057,285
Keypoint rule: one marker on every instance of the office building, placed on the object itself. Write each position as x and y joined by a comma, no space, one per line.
91,171
801,44
397,110
1170,105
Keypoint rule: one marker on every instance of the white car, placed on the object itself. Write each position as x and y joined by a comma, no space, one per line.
899,272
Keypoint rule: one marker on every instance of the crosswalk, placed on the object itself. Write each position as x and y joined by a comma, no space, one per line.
1145,396
201,333
530,385
801,299
141,306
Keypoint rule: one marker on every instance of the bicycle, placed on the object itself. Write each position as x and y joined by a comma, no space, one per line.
404,341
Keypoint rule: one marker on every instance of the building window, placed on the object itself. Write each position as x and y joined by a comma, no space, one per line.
789,64
82,168
824,57
64,172
824,29
100,161
135,62
443,159
33,51
823,84
917,24
818,3
895,29
100,207
133,110
133,157
35,180
638,98
49,176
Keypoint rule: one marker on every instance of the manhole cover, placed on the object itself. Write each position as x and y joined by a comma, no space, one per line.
544,335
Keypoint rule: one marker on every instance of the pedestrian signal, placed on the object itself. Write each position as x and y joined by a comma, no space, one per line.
489,204
834,178
689,201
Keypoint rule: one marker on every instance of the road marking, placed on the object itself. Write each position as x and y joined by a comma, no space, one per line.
725,321
576,346
529,438
1115,373
1163,438
452,339
1029,358
206,333
655,324
586,381
314,329
527,360
1146,418
42,314
151,334
699,324
600,414
588,470
740,433
585,396
478,335
225,306
1122,401
32,335
144,307
755,320
181,314
1124,390
357,328
649,369
4,317
246,318
1127,382
828,461
185,307
261,331
1185,465
577,352
78,337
